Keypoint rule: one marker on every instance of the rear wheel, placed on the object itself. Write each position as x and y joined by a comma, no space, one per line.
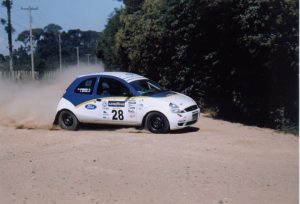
157,123
67,120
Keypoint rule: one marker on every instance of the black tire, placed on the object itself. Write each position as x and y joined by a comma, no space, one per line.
67,120
157,123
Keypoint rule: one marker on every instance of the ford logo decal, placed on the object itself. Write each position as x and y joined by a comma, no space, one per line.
90,106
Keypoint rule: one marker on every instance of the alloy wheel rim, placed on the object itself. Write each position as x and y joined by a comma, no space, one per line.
157,123
67,119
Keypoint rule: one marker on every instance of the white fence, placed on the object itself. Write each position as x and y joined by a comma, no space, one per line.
25,75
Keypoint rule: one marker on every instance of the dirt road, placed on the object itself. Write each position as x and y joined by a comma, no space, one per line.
215,162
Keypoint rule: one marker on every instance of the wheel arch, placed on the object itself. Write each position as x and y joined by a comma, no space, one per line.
151,111
55,122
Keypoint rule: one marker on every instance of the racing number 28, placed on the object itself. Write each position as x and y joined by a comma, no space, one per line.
118,115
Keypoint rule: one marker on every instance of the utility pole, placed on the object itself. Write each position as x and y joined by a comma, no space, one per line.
96,60
29,9
59,41
77,48
88,56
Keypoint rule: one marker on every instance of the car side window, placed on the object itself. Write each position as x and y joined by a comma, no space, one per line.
86,87
111,87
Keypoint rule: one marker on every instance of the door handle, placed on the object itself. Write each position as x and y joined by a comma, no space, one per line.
99,99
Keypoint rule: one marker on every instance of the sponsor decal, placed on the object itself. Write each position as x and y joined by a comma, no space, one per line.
105,115
84,90
131,108
104,103
131,111
131,102
116,103
90,107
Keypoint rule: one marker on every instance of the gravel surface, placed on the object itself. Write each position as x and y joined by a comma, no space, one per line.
213,162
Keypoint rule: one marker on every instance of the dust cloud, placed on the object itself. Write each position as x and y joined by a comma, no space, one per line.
32,104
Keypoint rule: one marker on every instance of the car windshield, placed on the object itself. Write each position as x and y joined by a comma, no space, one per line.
147,87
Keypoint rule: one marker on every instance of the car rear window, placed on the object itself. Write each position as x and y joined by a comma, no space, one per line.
86,86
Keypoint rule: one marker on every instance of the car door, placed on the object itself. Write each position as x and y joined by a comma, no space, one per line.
115,103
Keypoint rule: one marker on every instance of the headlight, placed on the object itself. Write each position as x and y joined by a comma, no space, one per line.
175,108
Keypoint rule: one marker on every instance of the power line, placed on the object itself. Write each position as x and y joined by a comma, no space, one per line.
19,15
46,19
42,19
15,22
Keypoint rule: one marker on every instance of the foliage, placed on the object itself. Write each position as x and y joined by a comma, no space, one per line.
7,23
46,43
133,5
238,57
106,45
8,5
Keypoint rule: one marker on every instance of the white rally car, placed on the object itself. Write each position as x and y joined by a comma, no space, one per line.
124,99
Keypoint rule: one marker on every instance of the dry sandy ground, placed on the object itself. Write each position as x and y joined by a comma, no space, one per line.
213,163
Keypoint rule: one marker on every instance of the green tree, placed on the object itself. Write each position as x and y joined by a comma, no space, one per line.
46,43
106,47
270,34
52,28
133,5
238,57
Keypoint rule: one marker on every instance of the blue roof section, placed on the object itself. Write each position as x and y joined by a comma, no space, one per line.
77,98
126,76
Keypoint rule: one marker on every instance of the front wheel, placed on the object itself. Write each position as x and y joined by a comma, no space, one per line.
157,123
67,120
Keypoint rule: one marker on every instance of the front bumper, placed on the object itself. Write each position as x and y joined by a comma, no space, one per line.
181,120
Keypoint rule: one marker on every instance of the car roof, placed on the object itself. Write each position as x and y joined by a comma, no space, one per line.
126,76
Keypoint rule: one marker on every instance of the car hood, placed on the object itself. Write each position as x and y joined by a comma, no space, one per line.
179,99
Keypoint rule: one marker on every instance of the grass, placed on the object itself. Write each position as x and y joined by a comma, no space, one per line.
291,129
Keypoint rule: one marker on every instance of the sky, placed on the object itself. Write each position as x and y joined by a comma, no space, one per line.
69,14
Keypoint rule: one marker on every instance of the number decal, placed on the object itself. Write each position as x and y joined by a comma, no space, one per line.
115,115
121,116
118,115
